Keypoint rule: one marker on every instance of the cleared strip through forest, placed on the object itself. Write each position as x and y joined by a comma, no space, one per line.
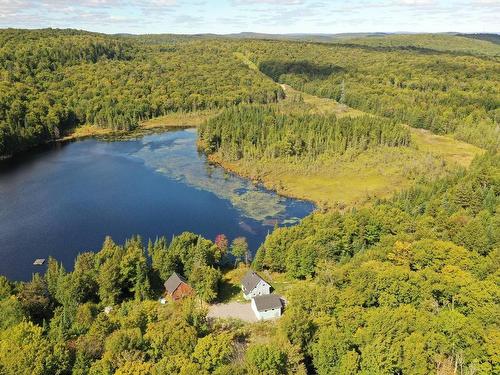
353,178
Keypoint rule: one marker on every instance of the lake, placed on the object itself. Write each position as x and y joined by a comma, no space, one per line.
66,198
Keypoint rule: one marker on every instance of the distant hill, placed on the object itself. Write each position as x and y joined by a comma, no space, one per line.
303,36
315,38
474,44
494,38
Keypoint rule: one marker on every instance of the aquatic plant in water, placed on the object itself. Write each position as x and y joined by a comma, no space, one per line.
174,155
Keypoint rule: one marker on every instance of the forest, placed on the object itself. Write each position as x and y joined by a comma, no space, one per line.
53,81
426,259
407,286
256,132
444,93
401,283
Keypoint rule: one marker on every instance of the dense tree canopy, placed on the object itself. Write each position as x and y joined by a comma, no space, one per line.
57,323
404,285
445,93
53,80
255,132
462,209
408,286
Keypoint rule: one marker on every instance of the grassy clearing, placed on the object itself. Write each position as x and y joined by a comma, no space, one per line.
171,120
449,148
87,131
348,180
181,119
335,181
230,290
316,104
343,181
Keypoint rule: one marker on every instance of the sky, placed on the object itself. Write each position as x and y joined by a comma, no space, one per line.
264,16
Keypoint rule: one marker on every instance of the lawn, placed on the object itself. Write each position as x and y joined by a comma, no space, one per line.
230,289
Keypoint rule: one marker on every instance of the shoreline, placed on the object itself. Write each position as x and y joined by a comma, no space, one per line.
107,135
215,159
180,120
267,184
114,135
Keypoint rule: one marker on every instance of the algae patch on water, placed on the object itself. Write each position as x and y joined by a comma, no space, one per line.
174,155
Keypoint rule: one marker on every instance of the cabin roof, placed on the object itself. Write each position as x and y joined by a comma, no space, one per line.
268,302
250,281
173,282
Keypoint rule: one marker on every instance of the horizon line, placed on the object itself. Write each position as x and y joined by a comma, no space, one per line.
257,32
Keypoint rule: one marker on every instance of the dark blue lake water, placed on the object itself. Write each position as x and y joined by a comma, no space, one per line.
64,200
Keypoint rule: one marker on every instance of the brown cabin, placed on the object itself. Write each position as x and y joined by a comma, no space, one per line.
177,287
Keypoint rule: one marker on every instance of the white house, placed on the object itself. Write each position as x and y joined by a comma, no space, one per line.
267,307
253,285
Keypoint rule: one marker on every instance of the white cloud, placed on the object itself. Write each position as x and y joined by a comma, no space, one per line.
485,5
268,2
415,2
278,16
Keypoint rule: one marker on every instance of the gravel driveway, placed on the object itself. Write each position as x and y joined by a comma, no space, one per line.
236,310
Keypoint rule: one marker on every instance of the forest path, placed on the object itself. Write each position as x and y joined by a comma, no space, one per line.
349,180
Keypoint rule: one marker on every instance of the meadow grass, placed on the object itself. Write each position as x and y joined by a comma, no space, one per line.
343,181
181,119
85,131
230,288
447,147
316,105
171,120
